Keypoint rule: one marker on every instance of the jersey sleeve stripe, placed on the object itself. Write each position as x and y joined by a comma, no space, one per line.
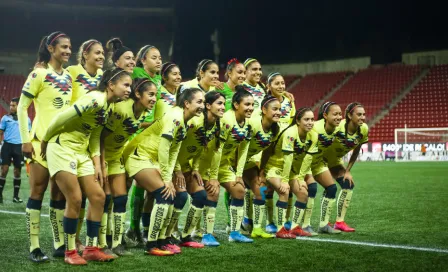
166,136
77,110
27,94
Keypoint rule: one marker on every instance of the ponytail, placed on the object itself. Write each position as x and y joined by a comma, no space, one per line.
52,39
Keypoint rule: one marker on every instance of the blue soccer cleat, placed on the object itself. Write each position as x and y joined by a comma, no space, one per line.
271,228
209,240
287,225
236,236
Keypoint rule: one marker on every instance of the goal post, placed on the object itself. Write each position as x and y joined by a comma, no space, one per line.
421,144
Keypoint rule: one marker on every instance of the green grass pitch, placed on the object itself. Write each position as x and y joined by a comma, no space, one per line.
394,204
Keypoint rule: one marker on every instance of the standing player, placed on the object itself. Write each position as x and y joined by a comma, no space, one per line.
151,157
11,149
149,64
235,74
353,133
86,77
120,56
70,137
207,77
166,97
50,89
125,120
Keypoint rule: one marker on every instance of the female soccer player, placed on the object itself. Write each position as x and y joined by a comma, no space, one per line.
151,157
353,133
171,80
86,77
122,124
235,129
70,137
50,89
264,131
120,56
149,64
326,127
235,74
207,77
276,87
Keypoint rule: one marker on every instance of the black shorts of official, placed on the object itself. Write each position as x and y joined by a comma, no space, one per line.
11,151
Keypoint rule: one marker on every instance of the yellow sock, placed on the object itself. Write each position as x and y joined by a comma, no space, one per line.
110,219
290,208
344,199
33,225
82,214
118,227
158,217
308,212
209,219
326,208
166,222
299,210
174,219
259,209
269,210
193,216
70,241
102,240
281,217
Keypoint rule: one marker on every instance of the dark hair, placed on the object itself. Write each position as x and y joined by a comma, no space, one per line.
299,114
210,98
140,85
113,76
249,61
52,39
240,93
142,54
15,99
203,66
230,65
349,109
271,76
324,108
264,104
115,49
186,95
166,69
86,47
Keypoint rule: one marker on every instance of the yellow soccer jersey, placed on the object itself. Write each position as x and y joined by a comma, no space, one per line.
196,140
194,83
232,134
302,148
288,110
93,111
51,93
260,140
83,82
324,140
171,127
285,145
345,142
258,93
165,102
123,124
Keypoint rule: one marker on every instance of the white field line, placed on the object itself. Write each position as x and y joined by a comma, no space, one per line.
322,240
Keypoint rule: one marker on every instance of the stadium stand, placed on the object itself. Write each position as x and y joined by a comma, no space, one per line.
11,86
426,106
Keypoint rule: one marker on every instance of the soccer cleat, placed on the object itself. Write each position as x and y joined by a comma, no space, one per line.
173,248
189,242
298,231
259,232
328,229
95,254
209,240
287,225
285,234
236,236
247,226
120,250
197,233
17,200
72,257
144,236
134,238
60,252
108,251
38,256
79,246
173,240
158,252
342,226
310,230
271,228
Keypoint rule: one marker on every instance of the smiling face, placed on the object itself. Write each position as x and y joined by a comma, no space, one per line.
245,107
238,74
334,116
121,88
217,108
152,62
94,56
277,86
306,122
196,106
62,51
148,97
271,111
210,77
253,73
357,116
173,78
126,62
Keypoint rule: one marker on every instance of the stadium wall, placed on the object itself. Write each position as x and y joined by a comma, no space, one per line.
426,58
353,64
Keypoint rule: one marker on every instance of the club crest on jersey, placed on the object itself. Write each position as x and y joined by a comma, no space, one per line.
63,84
168,98
73,165
34,75
88,85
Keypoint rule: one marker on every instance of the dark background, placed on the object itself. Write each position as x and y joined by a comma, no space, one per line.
274,32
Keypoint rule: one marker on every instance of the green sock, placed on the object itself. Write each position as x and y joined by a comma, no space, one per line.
227,203
135,204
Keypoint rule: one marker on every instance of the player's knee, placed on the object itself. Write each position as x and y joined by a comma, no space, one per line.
331,191
120,203
312,189
303,194
199,198
352,186
180,200
238,192
157,194
345,184
73,201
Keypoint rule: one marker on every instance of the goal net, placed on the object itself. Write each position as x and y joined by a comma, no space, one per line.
421,144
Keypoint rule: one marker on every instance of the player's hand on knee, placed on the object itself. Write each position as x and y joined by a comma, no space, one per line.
284,188
179,179
198,177
212,187
43,149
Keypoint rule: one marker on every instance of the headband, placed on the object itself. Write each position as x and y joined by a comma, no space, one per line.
141,83
90,44
121,71
269,100
55,37
205,63
235,60
144,51
168,65
302,110
249,61
272,75
354,107
119,52
327,106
